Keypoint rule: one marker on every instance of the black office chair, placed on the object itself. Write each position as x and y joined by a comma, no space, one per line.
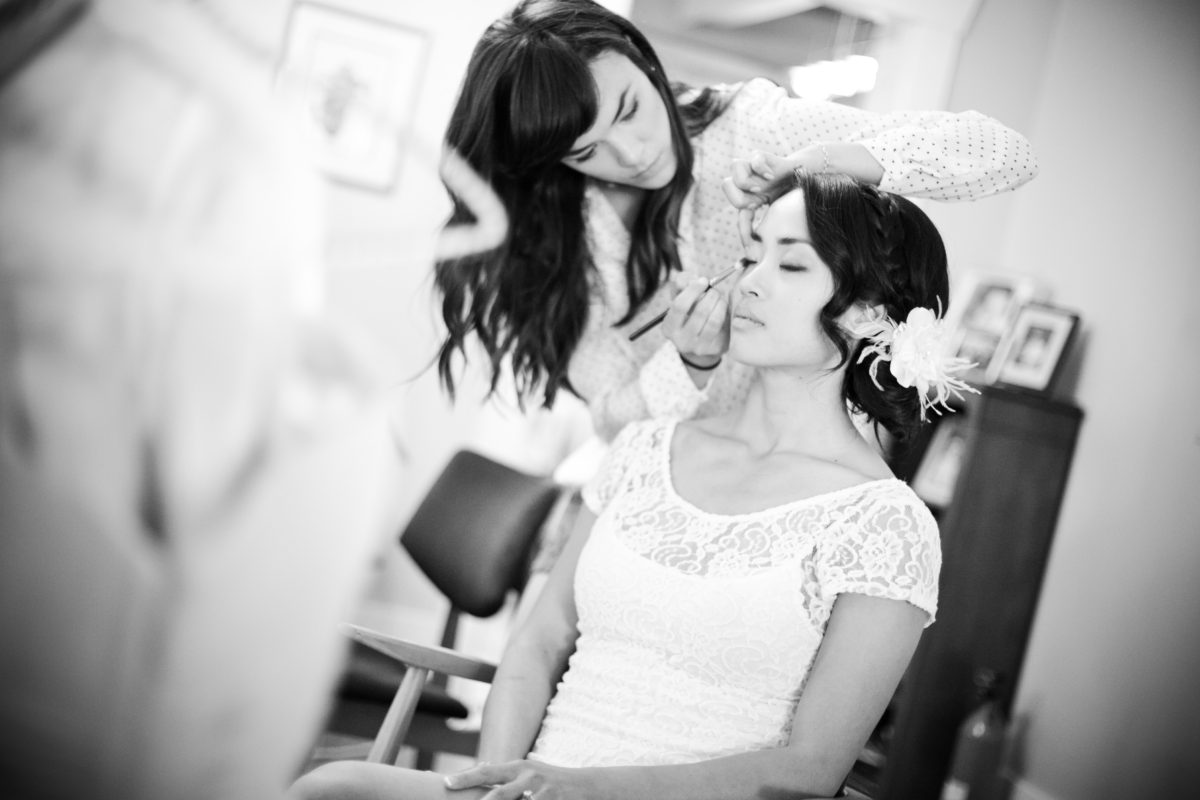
474,535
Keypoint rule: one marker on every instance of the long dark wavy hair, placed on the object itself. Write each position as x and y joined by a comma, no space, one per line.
881,249
527,95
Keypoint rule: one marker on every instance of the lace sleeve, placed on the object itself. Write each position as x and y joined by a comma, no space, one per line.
887,546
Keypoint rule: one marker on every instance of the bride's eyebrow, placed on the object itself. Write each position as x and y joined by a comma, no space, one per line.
787,240
578,151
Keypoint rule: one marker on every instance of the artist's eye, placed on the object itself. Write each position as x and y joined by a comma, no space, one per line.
582,157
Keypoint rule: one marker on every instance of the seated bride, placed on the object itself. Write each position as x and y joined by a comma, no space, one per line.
754,585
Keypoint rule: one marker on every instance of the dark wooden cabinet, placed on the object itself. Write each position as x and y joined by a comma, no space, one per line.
996,533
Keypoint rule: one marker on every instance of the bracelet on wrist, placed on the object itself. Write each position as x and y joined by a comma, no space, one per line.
694,365
800,170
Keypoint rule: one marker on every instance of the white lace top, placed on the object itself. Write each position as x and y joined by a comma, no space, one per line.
697,630
934,154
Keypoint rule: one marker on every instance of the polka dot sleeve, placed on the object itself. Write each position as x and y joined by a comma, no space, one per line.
935,154
621,385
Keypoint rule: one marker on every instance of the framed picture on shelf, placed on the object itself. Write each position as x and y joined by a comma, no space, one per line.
987,304
350,82
938,472
1035,349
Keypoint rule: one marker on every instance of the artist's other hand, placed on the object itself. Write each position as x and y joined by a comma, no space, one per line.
525,780
758,179
698,323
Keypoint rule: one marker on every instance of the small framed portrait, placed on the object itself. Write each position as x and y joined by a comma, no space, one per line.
987,304
990,307
1035,349
351,82
938,471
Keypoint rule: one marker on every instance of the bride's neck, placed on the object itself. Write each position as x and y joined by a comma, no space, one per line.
805,416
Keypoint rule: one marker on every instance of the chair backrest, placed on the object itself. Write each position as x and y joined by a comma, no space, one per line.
473,533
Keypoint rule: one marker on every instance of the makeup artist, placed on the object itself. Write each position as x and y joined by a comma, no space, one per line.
612,179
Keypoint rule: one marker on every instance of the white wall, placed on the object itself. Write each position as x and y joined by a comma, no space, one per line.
1107,90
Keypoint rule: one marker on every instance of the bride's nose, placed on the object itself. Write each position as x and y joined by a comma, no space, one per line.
749,282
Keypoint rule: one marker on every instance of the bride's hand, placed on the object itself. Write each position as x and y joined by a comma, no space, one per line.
524,780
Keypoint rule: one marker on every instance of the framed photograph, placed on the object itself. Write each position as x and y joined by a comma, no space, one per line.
1035,349
351,82
987,305
938,472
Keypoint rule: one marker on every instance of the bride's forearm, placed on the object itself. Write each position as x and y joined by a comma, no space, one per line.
514,710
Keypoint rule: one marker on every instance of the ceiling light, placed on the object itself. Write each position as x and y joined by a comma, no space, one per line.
844,77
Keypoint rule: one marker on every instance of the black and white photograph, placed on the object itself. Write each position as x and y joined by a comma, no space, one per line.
580,399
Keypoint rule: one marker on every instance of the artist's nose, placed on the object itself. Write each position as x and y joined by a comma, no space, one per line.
628,150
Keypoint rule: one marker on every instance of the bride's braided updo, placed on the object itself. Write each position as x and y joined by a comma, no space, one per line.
881,250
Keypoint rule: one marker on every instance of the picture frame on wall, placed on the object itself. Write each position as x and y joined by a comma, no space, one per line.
351,82
1036,347
987,304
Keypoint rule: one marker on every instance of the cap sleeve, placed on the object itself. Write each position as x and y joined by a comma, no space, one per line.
887,546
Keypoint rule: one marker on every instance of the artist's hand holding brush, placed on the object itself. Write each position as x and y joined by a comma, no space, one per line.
698,325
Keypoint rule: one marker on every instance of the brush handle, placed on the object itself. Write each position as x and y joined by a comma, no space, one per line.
638,333
658,319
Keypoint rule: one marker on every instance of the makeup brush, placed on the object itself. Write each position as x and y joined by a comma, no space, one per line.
713,281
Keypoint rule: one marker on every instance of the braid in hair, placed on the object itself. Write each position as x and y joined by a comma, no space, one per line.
897,408
888,243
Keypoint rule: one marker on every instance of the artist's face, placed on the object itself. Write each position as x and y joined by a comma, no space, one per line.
630,142
775,315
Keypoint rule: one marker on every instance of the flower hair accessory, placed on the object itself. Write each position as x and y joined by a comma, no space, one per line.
916,354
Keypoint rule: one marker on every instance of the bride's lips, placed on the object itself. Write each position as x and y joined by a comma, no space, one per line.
745,318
